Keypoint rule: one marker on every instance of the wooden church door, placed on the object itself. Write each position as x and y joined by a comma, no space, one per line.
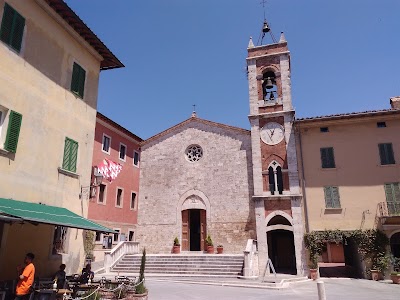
203,230
185,230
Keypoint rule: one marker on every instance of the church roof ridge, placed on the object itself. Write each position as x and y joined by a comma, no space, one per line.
194,119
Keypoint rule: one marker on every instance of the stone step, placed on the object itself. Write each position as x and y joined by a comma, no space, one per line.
178,268
220,273
219,262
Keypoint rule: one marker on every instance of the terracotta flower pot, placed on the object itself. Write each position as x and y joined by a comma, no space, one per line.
395,278
133,296
220,250
210,249
176,249
314,274
375,275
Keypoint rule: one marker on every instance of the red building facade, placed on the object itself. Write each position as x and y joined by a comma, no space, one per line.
113,203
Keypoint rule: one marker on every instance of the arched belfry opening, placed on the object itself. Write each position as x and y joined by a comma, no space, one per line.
270,92
281,248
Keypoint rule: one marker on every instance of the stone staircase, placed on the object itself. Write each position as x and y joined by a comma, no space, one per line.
219,265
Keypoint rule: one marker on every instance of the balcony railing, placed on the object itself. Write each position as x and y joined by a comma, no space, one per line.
389,209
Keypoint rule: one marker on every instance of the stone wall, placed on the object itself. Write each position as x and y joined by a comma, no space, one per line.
221,180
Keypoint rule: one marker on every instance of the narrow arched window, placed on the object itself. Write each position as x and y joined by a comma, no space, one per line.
279,180
271,180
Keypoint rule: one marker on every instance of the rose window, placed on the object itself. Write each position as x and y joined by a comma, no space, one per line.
194,153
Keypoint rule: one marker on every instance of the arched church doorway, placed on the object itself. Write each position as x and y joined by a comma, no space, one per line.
193,229
281,248
395,244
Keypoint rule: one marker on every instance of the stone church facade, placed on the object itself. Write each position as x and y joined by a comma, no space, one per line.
200,177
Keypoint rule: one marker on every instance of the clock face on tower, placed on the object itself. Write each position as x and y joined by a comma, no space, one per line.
272,133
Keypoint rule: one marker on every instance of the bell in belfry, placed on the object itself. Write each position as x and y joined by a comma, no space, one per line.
265,27
268,83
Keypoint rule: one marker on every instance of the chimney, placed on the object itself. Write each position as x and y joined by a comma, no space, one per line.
395,102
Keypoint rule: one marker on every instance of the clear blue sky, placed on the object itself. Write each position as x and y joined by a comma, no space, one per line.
345,56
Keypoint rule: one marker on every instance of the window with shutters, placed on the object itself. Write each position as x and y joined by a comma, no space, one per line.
392,191
327,158
102,194
78,80
10,126
106,144
119,200
386,154
122,152
133,200
70,155
136,158
332,198
12,28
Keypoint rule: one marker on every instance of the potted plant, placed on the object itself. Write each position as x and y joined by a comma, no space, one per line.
210,245
141,292
395,275
220,249
314,269
177,246
380,263
315,245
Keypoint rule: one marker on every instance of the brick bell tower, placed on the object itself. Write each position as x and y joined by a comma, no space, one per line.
277,197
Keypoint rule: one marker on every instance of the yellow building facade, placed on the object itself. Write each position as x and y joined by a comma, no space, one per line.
50,63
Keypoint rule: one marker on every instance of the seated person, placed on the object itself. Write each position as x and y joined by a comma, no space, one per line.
87,274
60,277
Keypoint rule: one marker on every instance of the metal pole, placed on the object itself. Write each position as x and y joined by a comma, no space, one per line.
321,290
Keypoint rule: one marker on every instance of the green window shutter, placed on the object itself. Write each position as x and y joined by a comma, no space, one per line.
18,32
78,80
12,28
70,155
82,75
74,156
389,192
6,24
67,154
327,158
335,197
14,127
390,154
386,154
328,197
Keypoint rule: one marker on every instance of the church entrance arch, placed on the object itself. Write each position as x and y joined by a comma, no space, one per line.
281,249
194,212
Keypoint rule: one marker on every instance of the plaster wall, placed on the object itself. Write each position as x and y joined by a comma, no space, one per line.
35,83
358,173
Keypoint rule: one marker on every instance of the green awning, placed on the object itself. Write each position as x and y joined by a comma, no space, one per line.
46,214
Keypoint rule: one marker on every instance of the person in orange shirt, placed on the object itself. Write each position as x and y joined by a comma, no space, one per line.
26,276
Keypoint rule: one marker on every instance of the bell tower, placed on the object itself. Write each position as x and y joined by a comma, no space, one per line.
277,196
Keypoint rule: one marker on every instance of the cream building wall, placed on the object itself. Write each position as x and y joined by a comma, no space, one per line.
358,173
36,83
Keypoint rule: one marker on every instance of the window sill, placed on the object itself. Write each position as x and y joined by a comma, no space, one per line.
329,169
108,153
333,211
388,165
77,95
4,152
68,173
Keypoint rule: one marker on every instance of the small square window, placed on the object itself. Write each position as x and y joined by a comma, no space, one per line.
119,198
324,129
136,158
106,144
122,152
381,124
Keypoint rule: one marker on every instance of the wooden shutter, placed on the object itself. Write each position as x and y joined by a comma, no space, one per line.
331,158
386,154
324,158
389,192
335,197
185,230
14,126
75,79
328,197
70,155
18,31
74,156
389,153
6,24
82,75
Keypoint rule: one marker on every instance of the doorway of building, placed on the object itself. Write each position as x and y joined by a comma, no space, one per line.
281,251
193,229
395,244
